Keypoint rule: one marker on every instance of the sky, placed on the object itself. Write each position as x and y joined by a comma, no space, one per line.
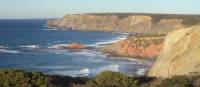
22,9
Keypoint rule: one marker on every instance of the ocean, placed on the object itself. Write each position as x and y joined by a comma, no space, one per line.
29,45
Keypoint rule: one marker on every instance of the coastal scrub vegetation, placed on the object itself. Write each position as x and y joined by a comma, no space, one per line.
111,79
176,81
20,78
146,40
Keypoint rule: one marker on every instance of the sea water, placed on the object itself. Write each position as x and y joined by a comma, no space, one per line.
29,45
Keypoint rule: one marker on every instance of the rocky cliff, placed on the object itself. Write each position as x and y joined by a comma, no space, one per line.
136,46
86,22
124,22
181,54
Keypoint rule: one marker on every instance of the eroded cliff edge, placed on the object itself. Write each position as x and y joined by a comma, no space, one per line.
181,54
126,22
137,46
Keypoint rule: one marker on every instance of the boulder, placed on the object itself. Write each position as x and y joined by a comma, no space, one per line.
74,46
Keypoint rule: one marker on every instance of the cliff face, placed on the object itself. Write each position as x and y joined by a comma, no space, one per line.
87,22
136,47
181,54
138,23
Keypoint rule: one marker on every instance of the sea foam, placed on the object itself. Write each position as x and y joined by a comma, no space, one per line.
57,46
141,71
9,51
85,71
30,46
3,47
105,42
113,67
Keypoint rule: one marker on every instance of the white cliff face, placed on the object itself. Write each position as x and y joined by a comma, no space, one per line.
181,54
135,23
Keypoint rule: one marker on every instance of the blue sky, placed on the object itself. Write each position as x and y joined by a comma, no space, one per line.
58,8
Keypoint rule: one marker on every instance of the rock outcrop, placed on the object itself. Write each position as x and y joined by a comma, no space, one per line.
137,46
124,22
74,46
181,54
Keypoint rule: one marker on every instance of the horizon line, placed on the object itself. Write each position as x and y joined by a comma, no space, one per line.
147,13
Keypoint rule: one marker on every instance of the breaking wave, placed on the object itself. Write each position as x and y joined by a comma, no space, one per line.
55,29
57,46
113,67
86,71
52,29
141,71
105,42
93,45
30,46
9,51
3,47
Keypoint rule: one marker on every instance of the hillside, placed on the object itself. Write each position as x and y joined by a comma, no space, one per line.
126,22
181,54
137,46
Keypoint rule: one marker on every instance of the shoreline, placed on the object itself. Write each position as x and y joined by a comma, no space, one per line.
131,58
116,38
120,37
142,61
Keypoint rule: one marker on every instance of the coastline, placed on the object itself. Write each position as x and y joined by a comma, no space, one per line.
122,36
101,44
146,61
136,46
51,47
28,47
141,72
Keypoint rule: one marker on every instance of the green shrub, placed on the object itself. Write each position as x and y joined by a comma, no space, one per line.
112,79
176,81
20,78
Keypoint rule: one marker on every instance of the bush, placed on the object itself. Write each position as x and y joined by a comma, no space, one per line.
176,81
20,78
112,79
